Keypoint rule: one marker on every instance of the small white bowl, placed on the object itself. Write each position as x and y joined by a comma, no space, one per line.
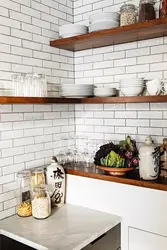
104,92
69,30
114,16
131,91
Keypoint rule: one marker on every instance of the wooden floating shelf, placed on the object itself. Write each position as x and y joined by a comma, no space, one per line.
130,33
37,100
91,100
130,179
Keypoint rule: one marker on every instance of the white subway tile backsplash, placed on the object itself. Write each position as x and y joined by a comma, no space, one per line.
30,134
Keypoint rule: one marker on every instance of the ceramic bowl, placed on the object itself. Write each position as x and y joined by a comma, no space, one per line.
104,92
114,16
69,30
132,91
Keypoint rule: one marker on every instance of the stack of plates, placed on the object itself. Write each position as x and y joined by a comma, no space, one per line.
104,92
70,30
132,87
103,20
76,90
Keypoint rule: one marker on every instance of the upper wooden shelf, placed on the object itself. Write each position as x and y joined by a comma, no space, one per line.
130,33
91,100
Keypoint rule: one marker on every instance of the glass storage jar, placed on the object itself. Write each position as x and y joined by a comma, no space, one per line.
23,194
146,10
41,204
37,177
127,14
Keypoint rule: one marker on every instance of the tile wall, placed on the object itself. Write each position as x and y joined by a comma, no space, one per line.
29,134
105,66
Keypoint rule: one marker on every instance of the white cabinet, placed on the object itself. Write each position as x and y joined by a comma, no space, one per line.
142,240
108,241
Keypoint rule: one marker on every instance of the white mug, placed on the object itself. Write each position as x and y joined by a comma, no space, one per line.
154,87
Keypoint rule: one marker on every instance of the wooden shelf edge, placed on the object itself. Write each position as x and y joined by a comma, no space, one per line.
92,100
134,32
124,99
37,100
138,183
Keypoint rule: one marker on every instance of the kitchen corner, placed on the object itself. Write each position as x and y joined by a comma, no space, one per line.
68,228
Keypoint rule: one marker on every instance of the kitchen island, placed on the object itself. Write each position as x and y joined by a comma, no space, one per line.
70,227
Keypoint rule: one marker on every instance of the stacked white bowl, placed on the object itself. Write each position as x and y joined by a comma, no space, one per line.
104,92
131,87
76,90
103,20
70,30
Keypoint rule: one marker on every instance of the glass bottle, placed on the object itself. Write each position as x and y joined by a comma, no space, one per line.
146,10
163,8
127,14
41,204
17,82
23,194
163,159
37,177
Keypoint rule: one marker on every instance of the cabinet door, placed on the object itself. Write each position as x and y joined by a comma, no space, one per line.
142,240
108,241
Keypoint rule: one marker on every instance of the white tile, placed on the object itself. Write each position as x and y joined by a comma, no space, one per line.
137,106
125,114
103,129
137,123
33,132
23,141
114,122
6,178
11,117
23,158
11,134
12,169
150,114
150,131
12,151
126,130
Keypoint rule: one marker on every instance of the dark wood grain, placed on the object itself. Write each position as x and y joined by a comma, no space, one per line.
36,100
135,32
130,179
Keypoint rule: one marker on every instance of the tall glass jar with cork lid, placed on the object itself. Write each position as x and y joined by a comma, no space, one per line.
127,14
23,193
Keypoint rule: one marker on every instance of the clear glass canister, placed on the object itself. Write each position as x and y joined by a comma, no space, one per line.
146,10
41,204
37,177
23,194
128,14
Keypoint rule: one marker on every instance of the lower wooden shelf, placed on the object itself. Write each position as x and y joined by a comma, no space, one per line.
90,100
132,178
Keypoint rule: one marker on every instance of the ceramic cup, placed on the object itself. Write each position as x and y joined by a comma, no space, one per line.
165,86
154,87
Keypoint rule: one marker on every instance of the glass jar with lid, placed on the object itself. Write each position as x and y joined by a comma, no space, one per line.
37,177
41,203
127,14
146,10
23,194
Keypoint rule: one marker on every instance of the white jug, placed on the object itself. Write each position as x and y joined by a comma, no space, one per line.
149,159
55,179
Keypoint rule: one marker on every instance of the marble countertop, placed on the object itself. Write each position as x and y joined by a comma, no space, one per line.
68,228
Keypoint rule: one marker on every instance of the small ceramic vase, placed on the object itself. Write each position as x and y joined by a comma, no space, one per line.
55,179
149,160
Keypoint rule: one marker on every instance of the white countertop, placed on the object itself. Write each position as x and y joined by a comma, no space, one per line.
68,228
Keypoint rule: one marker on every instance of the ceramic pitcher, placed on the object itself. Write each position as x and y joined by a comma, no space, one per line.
55,179
149,158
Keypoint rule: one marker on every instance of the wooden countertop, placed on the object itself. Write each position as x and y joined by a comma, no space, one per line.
132,178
